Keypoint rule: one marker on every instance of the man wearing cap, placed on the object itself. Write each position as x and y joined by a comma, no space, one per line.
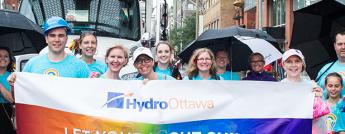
143,62
336,66
56,62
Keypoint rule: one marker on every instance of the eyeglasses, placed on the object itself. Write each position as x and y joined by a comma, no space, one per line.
221,58
203,59
144,60
257,61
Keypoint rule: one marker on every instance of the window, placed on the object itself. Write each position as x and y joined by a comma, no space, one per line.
190,7
277,14
249,4
298,4
217,24
110,18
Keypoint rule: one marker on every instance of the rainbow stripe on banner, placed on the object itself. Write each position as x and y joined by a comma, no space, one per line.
160,107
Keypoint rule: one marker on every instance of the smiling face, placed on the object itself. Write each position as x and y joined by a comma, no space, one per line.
333,87
222,59
204,62
88,45
293,66
116,60
163,53
4,59
257,63
144,65
56,40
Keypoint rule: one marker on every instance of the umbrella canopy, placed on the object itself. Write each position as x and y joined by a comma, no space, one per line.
314,29
19,34
239,43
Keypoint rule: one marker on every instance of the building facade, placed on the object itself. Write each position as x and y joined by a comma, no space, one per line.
219,14
273,16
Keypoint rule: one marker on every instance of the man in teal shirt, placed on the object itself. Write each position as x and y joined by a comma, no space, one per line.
337,66
222,60
56,62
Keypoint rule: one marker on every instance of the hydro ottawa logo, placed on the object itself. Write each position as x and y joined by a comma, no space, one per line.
127,101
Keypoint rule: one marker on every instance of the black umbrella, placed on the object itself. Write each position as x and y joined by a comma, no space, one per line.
19,34
239,42
313,31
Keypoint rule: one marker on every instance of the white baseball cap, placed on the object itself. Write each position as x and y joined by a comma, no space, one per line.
291,52
142,50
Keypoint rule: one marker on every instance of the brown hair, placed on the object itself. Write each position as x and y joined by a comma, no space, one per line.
256,54
10,65
337,75
167,43
118,46
78,41
193,70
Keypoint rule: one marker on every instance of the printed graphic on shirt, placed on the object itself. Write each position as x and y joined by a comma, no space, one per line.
51,72
331,120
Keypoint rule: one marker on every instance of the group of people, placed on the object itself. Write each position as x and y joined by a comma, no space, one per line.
203,65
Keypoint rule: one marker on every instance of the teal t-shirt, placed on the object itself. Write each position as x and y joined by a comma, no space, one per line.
103,76
340,115
337,67
3,80
228,75
68,67
199,78
160,77
166,71
98,66
332,117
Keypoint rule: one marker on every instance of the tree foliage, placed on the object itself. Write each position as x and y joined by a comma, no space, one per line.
183,35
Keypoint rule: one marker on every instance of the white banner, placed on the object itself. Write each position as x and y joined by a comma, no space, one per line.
101,105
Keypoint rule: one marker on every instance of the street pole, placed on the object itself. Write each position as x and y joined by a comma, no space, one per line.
148,14
158,25
197,19
259,14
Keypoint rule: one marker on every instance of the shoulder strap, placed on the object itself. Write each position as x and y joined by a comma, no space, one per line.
318,78
155,65
217,77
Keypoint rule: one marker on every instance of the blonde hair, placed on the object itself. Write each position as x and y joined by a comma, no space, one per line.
193,70
118,46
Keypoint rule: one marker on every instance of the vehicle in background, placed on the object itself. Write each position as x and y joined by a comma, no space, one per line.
114,21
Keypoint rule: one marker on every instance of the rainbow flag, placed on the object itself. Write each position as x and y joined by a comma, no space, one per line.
56,105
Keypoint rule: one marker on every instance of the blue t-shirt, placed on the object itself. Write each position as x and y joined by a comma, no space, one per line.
332,118
337,67
199,78
98,66
68,67
103,77
340,114
166,71
228,75
3,80
160,77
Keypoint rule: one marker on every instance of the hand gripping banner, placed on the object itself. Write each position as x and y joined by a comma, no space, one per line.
56,105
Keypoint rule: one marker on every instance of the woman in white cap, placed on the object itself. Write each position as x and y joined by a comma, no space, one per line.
143,62
294,64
